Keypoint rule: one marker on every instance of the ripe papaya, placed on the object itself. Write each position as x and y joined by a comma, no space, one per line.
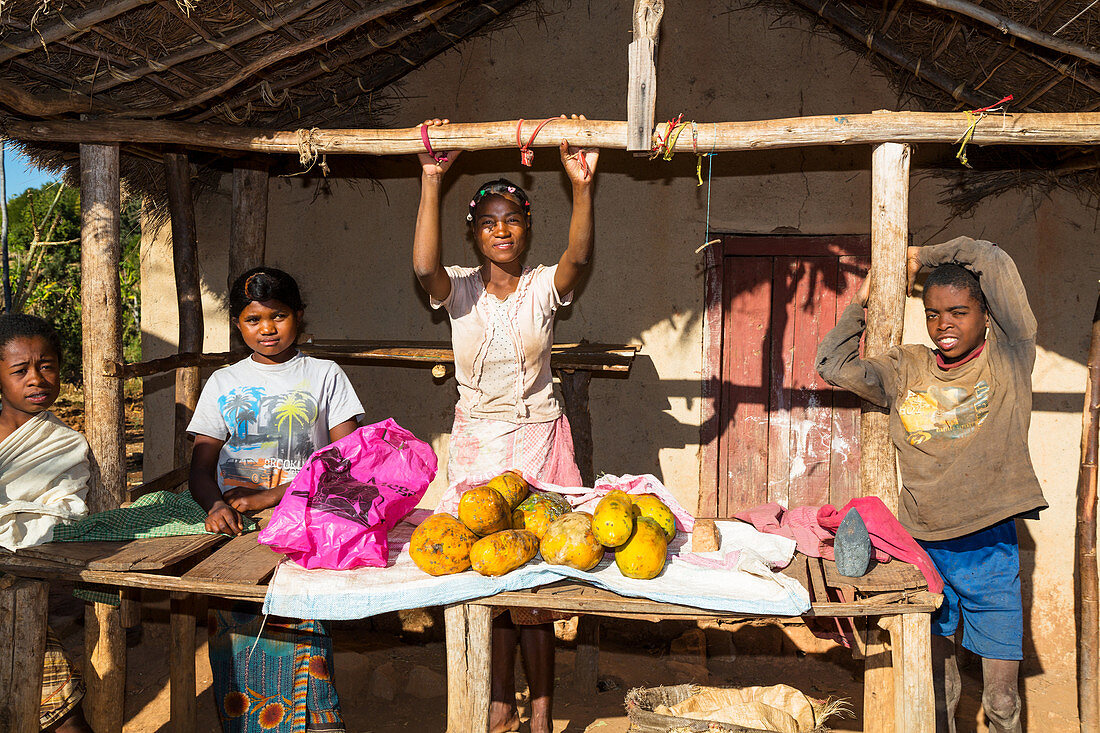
441,545
643,555
503,552
648,505
484,511
613,520
569,541
537,512
511,486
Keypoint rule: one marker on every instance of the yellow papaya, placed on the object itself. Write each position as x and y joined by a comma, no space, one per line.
503,552
648,505
441,545
484,511
643,555
569,541
613,520
537,512
511,486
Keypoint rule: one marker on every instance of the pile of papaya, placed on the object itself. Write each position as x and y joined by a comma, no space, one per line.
502,525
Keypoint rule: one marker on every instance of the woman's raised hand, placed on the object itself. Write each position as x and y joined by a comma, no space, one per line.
579,163
432,166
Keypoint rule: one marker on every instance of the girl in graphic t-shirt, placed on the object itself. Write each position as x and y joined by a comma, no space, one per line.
507,417
255,424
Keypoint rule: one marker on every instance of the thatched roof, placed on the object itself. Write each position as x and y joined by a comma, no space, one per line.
289,64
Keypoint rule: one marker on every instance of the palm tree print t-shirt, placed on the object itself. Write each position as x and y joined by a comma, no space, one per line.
272,417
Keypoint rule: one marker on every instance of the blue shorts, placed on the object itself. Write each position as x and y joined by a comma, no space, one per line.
981,574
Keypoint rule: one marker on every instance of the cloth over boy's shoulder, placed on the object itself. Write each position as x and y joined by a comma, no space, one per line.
961,433
43,480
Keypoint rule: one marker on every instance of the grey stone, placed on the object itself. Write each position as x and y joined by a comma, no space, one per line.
852,546
426,683
383,683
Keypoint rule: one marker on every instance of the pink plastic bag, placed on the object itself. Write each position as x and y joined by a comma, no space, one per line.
337,511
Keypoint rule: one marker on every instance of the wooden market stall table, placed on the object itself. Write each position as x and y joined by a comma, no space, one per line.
891,596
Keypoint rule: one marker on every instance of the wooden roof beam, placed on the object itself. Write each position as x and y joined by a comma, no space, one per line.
204,34
37,39
1071,128
255,67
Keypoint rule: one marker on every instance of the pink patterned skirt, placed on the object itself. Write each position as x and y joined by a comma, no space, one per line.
481,449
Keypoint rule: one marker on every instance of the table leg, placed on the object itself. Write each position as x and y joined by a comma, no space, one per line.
878,681
469,654
586,665
23,612
914,697
105,667
181,664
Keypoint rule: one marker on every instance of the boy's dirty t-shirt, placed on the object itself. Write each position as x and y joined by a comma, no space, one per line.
961,433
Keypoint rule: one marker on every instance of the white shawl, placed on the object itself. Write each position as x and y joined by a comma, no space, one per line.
43,480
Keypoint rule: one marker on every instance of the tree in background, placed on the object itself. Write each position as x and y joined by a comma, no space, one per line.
44,244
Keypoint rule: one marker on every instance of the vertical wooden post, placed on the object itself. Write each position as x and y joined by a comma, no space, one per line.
183,710
248,227
22,647
469,655
574,392
105,667
586,664
641,95
885,308
914,697
101,323
1085,580
878,682
185,260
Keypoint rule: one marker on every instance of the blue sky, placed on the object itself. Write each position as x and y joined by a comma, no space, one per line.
20,174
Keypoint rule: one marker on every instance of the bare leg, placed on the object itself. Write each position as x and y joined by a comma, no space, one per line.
74,722
537,645
946,680
1001,695
502,710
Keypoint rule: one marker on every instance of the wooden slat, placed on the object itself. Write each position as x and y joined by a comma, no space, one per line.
844,455
39,569
743,426
155,553
787,290
893,575
817,580
241,560
797,570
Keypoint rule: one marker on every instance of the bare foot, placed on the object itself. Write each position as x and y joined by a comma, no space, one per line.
503,718
541,725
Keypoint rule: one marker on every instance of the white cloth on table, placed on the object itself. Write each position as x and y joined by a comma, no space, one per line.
43,480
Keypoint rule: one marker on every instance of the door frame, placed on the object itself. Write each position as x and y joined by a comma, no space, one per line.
743,244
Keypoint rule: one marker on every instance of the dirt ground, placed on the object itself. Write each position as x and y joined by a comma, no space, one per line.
391,671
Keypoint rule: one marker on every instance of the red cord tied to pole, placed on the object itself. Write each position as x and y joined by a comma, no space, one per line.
438,157
527,156
974,116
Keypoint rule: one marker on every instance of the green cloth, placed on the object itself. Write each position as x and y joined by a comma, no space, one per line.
160,514
97,594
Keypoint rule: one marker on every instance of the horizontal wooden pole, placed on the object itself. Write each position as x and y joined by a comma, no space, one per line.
1077,128
568,357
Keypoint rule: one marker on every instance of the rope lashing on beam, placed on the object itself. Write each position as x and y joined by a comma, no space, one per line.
307,152
975,116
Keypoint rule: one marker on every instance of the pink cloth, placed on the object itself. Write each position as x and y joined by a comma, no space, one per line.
887,534
814,528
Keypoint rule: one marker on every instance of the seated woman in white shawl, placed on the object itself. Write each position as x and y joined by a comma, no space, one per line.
43,480
43,462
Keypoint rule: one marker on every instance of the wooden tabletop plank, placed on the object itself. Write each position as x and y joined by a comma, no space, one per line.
155,553
893,575
817,580
241,560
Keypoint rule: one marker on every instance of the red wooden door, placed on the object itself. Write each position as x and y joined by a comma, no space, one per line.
784,435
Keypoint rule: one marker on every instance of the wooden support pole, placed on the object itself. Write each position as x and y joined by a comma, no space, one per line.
574,392
101,323
247,228
878,682
885,309
641,94
185,259
1028,128
22,646
586,663
183,707
469,652
105,667
914,697
1085,582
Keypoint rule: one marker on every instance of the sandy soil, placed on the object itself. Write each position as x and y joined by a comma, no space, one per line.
390,672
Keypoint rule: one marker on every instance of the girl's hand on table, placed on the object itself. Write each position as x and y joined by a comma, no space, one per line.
435,168
223,519
579,163
251,500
